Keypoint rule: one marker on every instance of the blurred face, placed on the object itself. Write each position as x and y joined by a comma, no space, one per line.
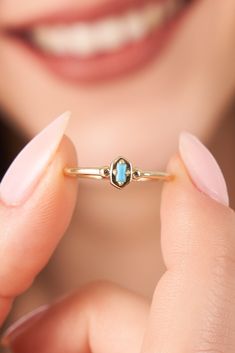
133,73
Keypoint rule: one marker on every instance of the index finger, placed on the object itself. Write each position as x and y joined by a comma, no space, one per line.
36,205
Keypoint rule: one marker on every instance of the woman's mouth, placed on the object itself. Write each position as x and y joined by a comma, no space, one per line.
98,47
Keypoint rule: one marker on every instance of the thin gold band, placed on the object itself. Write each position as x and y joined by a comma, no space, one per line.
99,173
120,166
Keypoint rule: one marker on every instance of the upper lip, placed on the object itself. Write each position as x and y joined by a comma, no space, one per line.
76,13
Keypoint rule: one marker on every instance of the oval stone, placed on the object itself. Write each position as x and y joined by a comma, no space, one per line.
120,172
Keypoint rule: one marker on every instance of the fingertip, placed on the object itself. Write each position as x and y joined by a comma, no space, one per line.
181,177
195,165
26,170
176,166
203,168
188,212
35,228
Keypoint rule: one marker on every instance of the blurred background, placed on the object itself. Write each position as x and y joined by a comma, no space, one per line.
134,73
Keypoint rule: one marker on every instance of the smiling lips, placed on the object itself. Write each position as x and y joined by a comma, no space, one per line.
103,36
106,46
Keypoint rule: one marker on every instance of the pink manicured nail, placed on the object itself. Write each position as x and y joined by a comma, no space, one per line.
22,324
203,168
27,168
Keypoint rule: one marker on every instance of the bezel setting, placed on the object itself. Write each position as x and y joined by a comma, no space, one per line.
115,170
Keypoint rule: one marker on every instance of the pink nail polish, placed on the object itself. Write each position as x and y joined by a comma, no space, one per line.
27,168
22,324
203,168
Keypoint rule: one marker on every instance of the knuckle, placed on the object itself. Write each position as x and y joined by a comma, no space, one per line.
96,294
210,350
222,284
214,336
98,288
215,333
223,265
213,343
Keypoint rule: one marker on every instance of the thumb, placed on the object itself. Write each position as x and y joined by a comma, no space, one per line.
193,308
36,205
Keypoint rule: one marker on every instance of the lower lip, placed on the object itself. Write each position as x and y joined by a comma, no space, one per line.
106,66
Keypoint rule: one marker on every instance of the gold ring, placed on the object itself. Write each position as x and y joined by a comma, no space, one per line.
120,173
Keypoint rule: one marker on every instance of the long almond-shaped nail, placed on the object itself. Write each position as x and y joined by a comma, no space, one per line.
22,324
203,168
26,170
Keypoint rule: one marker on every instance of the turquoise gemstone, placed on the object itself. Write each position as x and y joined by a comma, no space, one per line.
121,172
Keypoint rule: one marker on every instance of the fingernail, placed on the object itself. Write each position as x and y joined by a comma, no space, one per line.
203,168
29,165
22,324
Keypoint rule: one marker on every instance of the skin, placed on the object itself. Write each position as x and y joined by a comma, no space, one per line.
188,87
193,304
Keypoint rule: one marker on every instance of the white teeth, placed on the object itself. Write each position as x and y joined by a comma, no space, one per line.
87,39
80,40
109,34
137,26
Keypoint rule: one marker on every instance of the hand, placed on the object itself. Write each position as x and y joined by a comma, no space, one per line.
193,307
